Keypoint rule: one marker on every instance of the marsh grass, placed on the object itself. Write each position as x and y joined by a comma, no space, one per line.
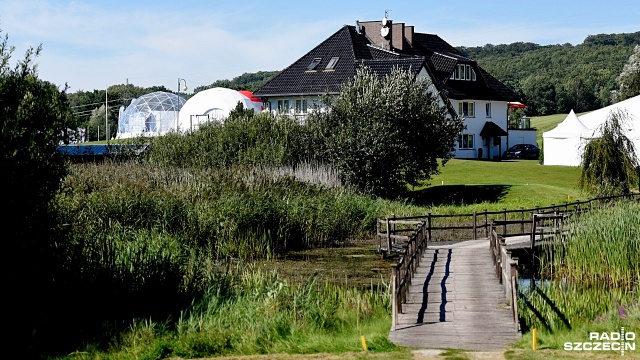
238,212
248,311
594,276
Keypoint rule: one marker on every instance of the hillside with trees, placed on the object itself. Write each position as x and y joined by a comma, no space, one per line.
246,81
554,79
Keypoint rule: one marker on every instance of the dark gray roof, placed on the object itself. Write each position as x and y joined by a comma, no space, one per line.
491,129
354,48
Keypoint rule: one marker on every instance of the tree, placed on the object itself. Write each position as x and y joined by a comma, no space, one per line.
96,121
609,162
541,95
34,117
383,134
629,78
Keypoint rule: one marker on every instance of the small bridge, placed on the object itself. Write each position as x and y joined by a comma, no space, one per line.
455,301
463,294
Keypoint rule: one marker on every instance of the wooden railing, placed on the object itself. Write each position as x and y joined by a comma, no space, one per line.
402,271
506,268
392,232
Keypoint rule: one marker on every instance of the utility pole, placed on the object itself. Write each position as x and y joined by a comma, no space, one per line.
106,114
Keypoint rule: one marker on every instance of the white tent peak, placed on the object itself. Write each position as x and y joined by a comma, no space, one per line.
570,126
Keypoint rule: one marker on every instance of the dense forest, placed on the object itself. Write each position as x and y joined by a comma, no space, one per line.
554,79
550,79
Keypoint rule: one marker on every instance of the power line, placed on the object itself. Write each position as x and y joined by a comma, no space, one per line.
100,103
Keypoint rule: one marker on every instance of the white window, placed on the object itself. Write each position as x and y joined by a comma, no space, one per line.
466,109
314,64
332,63
301,106
465,141
487,109
283,105
463,72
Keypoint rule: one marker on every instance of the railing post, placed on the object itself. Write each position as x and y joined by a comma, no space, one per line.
502,245
413,248
393,225
403,289
394,298
378,237
388,235
533,230
504,226
486,222
514,295
474,225
522,219
429,226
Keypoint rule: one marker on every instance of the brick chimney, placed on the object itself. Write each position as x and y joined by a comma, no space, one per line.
399,34
408,35
371,29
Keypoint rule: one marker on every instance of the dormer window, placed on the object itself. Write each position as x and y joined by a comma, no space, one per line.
332,63
463,72
314,64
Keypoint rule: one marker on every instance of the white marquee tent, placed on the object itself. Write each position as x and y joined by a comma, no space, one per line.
564,144
211,104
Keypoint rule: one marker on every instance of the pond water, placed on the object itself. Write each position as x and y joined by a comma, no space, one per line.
360,266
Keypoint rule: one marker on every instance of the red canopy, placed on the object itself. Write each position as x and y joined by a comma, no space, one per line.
249,94
516,105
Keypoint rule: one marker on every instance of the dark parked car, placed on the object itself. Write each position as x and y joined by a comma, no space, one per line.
522,151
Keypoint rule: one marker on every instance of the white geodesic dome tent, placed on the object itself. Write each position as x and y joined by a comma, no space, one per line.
152,114
213,104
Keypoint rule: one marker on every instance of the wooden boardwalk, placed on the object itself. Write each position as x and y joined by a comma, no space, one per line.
456,301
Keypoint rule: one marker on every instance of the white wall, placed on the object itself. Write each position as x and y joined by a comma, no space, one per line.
563,151
522,136
475,124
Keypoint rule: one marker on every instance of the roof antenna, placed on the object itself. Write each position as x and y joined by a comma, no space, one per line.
385,20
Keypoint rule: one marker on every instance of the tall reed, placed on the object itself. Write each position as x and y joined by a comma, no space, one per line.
248,311
592,272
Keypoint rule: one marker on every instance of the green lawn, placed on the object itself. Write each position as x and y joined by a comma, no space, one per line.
506,184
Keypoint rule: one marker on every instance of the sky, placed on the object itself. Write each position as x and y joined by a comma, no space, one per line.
93,44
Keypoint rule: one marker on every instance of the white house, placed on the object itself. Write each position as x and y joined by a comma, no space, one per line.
464,87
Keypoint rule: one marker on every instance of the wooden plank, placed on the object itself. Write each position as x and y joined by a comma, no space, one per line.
456,301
